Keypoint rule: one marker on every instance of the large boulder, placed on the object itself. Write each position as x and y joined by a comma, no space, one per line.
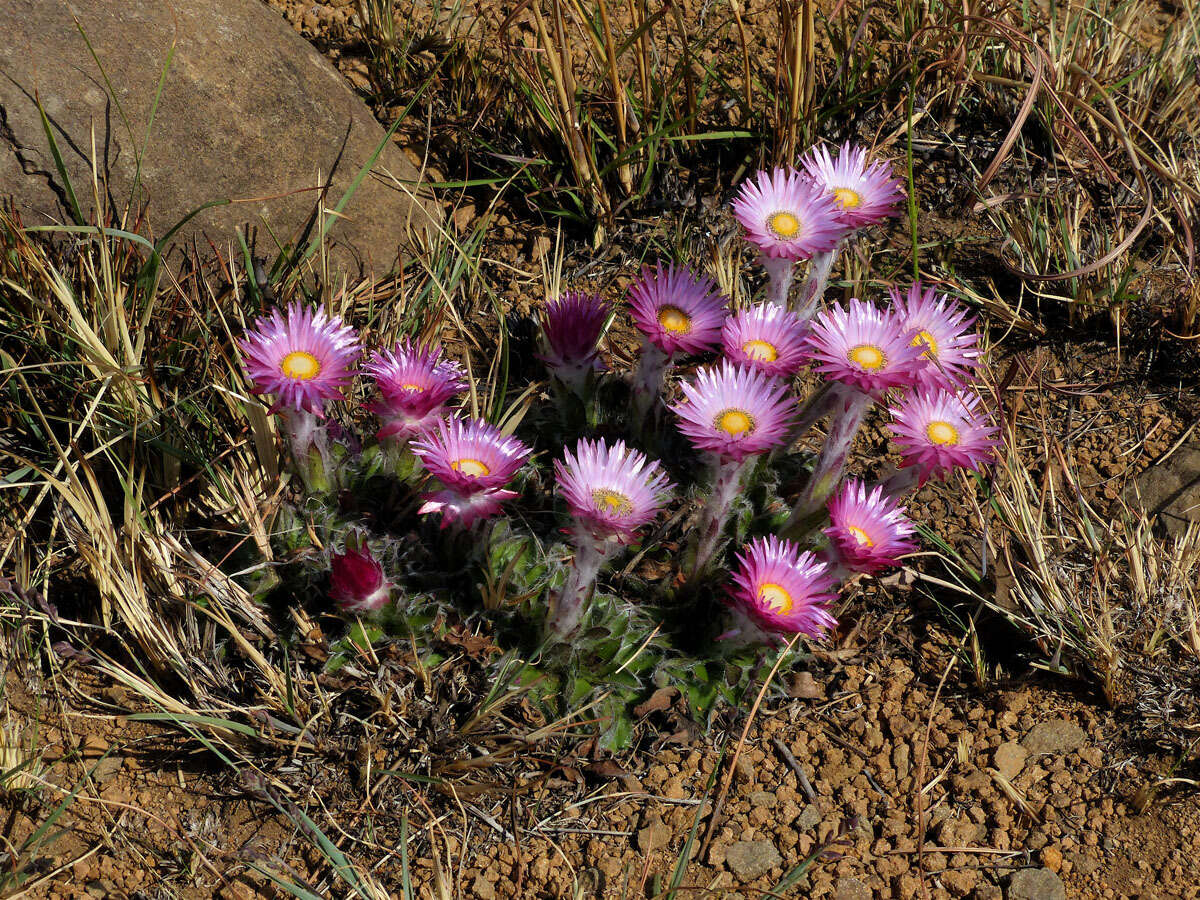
249,112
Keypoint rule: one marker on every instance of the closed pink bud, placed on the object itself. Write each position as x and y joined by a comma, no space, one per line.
357,583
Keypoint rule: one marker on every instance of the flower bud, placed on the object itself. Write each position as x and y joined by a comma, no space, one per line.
357,583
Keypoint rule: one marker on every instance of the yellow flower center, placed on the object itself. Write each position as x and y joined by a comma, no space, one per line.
612,502
760,350
930,342
783,224
942,433
674,320
301,365
468,466
864,539
774,596
412,387
735,422
847,197
868,356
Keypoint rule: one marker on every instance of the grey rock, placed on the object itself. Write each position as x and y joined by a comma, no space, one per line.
1036,884
848,888
1009,759
249,112
752,859
1055,736
765,799
1170,490
809,819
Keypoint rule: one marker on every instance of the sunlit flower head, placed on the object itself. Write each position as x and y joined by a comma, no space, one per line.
866,191
765,337
304,357
356,581
469,455
414,383
942,330
676,309
571,328
868,527
784,590
612,491
735,412
786,216
863,347
941,431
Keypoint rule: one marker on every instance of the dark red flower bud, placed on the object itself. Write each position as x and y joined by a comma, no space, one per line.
357,583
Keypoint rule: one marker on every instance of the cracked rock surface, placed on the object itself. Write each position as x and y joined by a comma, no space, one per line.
249,112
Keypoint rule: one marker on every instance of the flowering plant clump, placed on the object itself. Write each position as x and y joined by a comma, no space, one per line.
633,547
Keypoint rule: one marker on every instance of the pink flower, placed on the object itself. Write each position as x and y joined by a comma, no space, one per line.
735,413
766,337
571,327
303,359
868,528
676,309
866,193
415,384
943,332
612,491
357,583
940,431
474,461
784,590
864,348
786,216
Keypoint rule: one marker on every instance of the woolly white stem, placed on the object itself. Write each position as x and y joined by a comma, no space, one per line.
779,273
648,381
813,290
727,478
309,446
899,481
590,557
848,414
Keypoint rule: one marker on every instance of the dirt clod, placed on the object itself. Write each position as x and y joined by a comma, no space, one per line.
1009,759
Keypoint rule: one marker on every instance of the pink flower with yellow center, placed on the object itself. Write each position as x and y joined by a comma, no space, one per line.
866,192
303,358
734,412
941,431
868,528
784,590
676,309
612,491
766,337
474,461
863,347
941,329
786,216
415,383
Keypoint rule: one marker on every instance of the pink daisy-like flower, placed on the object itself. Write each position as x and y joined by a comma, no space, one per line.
940,431
786,216
465,509
784,590
863,347
676,309
470,456
943,332
356,581
612,491
765,337
571,326
868,527
735,412
866,193
415,382
303,359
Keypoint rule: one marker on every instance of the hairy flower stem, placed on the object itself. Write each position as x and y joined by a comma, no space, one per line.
590,557
779,273
850,408
727,478
310,449
648,383
813,290
899,481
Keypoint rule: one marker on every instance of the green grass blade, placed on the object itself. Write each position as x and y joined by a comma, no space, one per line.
60,166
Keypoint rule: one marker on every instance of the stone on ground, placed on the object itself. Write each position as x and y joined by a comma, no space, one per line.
1009,759
249,111
1036,884
1170,490
752,859
1055,736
